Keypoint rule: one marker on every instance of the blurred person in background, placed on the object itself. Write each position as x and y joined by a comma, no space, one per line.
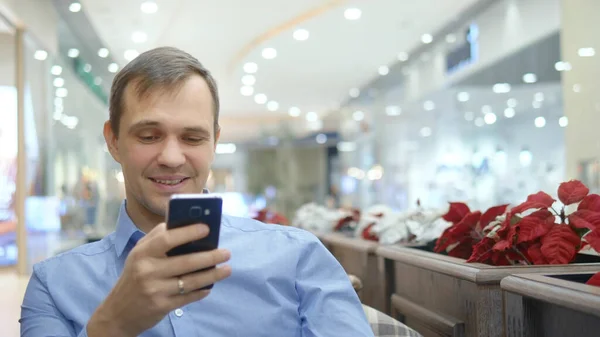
280,281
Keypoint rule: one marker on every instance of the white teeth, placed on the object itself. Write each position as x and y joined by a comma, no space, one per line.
168,182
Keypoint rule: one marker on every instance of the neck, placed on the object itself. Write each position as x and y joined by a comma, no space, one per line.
143,219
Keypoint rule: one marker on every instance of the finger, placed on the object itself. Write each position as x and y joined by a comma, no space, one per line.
166,240
178,301
201,279
185,264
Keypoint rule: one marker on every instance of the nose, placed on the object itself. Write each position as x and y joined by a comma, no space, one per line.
171,154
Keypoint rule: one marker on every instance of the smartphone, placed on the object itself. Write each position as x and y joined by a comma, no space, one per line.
191,209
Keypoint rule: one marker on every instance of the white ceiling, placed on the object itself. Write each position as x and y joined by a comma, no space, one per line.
314,75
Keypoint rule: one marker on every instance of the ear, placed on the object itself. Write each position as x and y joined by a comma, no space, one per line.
217,136
111,141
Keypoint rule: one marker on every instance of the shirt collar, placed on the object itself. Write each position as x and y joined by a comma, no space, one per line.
127,231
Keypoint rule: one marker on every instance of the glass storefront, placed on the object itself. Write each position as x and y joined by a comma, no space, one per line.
70,184
9,145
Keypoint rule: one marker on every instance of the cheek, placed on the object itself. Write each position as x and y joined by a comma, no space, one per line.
138,158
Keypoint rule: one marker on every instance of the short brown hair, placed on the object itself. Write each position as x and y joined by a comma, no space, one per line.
160,68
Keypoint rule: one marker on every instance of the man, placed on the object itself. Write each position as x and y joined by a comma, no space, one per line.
279,281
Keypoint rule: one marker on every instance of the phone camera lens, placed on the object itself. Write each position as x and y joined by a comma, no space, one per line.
195,211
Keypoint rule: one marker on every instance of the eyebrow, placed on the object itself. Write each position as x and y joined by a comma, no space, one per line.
149,123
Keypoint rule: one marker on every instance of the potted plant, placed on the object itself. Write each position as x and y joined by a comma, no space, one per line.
457,287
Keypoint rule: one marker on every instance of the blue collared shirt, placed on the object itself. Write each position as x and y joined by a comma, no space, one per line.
283,283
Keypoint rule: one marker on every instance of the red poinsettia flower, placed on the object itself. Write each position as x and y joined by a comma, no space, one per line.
594,281
533,232
540,239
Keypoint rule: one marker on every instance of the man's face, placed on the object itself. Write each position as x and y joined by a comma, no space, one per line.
166,144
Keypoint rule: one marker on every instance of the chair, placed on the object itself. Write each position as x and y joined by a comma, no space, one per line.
382,324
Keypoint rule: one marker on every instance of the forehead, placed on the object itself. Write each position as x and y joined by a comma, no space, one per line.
187,101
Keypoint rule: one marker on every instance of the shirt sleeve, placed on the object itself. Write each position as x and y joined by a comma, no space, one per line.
329,305
39,315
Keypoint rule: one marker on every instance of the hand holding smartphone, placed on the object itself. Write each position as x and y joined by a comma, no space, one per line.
192,209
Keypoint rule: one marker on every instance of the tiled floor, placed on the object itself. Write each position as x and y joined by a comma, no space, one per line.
11,295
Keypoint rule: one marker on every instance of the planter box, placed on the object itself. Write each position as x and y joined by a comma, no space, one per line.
444,296
358,257
551,305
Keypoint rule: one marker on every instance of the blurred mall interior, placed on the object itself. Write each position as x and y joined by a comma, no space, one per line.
341,103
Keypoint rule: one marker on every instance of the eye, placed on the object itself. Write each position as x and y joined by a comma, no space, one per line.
194,140
147,139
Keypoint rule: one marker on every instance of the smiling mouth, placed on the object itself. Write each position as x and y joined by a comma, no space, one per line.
171,182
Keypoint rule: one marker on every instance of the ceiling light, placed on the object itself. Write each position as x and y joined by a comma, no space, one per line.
59,82
269,53
539,96
479,122
563,121
73,53
450,38
358,115
98,80
246,90
512,103
62,92
69,121
530,78
403,56
562,66
149,7
260,98
312,116
294,111
463,96
536,104
425,132
352,13
131,54
393,110
525,157
58,101
501,88
139,37
577,88
428,105
346,146
103,52
509,112
383,70
486,109
87,67
490,118
301,34
113,67
40,55
586,52
272,106
354,92
540,122
469,116
426,38
248,80
56,70
321,138
250,67
75,7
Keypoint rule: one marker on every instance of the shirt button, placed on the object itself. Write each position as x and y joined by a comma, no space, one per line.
178,312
